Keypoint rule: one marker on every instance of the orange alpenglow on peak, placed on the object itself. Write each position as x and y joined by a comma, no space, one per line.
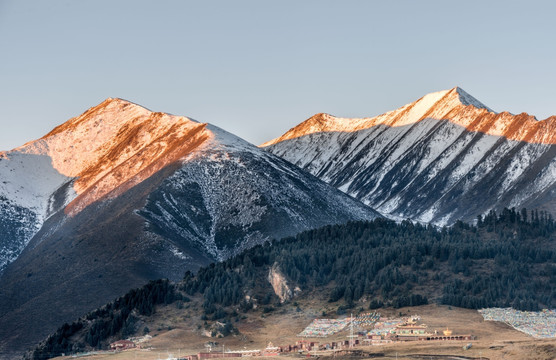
454,105
114,143
442,158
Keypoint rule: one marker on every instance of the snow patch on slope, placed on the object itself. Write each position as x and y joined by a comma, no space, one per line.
29,180
229,196
28,187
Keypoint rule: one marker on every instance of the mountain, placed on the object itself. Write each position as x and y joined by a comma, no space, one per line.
120,195
441,158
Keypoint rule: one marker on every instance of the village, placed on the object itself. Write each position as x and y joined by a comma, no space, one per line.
367,329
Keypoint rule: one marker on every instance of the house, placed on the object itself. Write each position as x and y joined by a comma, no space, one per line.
377,339
411,331
122,345
271,350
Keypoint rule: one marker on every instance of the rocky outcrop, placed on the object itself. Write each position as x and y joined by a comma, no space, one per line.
219,330
280,284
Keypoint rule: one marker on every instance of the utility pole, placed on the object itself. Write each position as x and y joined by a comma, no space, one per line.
351,336
351,332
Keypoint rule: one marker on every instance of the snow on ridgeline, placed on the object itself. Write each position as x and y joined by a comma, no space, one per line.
107,136
433,105
421,160
242,187
467,99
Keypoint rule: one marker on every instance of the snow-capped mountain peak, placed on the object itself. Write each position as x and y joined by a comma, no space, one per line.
441,158
467,99
436,105
115,143
101,153
81,142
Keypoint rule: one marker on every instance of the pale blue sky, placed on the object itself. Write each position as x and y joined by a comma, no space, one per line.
257,68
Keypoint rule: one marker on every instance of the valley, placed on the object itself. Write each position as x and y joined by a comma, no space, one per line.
205,180
493,340
244,297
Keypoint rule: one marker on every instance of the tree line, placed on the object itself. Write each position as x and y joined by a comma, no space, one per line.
115,318
502,260
506,259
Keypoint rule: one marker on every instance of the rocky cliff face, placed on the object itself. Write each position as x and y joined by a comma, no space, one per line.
441,158
280,284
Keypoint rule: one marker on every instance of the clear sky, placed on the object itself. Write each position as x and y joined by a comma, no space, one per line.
257,68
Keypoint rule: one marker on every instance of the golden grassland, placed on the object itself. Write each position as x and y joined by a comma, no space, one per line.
180,332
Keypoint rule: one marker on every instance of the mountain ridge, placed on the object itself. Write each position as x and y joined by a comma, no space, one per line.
435,150
450,102
327,122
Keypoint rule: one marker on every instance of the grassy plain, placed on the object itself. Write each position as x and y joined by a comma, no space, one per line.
180,332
